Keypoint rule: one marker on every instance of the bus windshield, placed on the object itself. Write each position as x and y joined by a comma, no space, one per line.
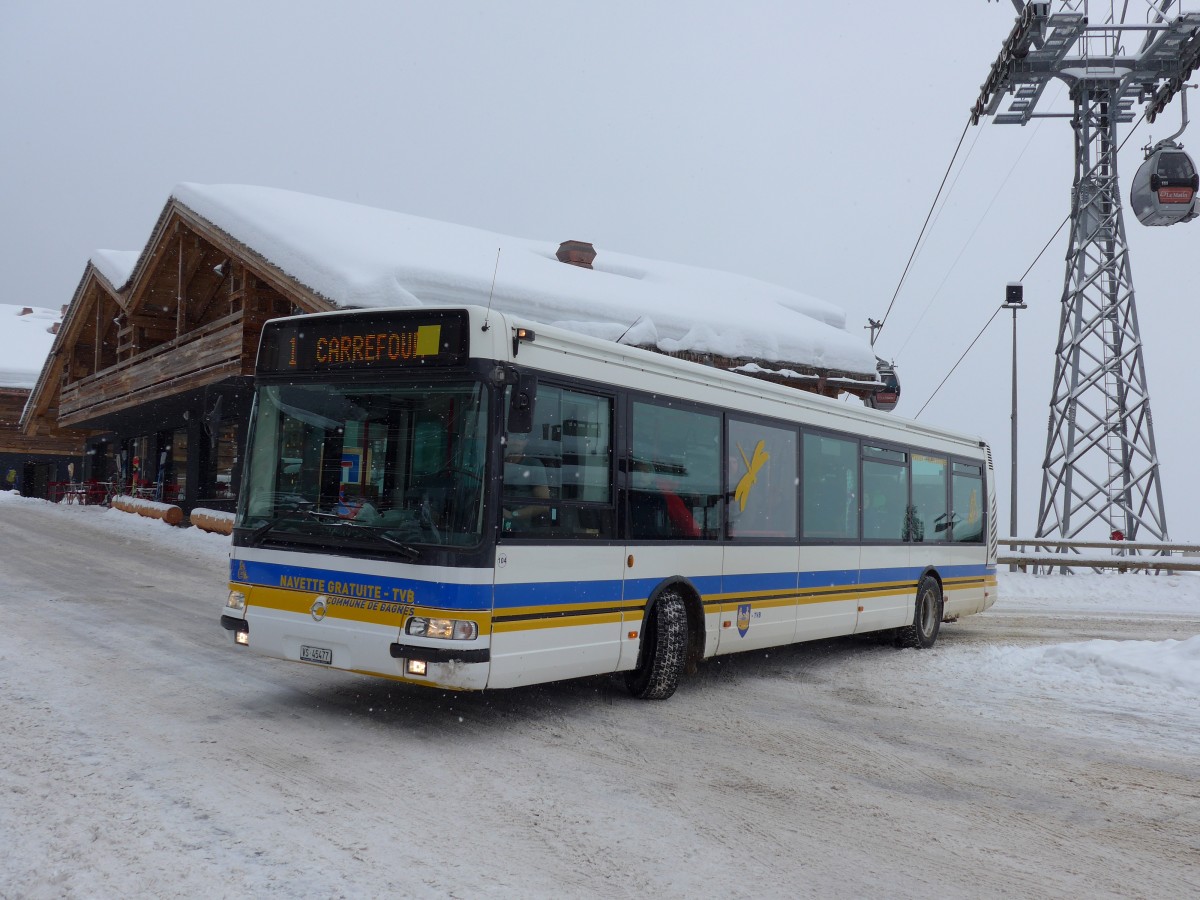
383,468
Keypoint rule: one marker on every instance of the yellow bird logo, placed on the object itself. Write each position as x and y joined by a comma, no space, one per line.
742,492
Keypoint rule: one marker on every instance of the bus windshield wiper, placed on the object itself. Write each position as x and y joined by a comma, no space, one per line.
306,510
407,549
256,536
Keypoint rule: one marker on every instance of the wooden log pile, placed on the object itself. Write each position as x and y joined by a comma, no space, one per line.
212,520
168,512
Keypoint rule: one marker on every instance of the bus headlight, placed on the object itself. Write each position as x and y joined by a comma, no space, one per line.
446,629
237,600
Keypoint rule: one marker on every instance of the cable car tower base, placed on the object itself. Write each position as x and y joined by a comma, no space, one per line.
1101,468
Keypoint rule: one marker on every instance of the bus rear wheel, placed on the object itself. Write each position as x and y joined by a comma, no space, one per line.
664,649
927,617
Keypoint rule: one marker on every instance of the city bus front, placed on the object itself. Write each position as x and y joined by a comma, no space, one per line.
361,540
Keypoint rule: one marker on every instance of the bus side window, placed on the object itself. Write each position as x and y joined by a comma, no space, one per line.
761,481
967,504
675,478
885,494
929,496
558,478
830,488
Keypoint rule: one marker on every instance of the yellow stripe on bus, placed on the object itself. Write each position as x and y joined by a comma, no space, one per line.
375,612
562,615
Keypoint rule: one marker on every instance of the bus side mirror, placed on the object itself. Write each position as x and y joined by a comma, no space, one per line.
520,404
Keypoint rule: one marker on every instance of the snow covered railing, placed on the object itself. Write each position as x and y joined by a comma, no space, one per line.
1123,556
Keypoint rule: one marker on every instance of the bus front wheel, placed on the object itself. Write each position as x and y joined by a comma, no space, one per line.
664,649
927,616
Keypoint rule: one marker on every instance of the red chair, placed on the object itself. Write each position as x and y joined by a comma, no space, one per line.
97,493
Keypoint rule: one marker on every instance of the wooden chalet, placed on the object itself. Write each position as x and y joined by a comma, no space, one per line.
33,462
157,372
154,375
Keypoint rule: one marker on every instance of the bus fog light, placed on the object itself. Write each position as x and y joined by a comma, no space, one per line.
237,600
242,638
416,667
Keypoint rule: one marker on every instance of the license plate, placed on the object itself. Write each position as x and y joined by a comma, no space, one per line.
316,654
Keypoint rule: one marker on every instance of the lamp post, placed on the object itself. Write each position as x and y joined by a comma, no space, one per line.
1014,300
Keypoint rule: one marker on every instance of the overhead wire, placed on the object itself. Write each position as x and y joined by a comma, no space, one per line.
921,234
960,359
986,324
970,237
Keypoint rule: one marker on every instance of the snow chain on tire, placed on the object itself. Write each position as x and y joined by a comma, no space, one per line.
664,650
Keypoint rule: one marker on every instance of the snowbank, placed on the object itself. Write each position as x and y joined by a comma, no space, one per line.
1101,592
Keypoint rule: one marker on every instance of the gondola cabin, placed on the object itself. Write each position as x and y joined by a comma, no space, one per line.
1164,188
886,398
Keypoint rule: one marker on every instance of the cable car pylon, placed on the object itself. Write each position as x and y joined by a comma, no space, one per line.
1101,468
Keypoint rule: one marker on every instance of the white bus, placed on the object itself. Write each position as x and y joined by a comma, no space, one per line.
463,499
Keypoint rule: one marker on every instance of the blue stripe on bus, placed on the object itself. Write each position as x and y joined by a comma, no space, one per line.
829,578
640,588
479,597
759,581
550,593
443,595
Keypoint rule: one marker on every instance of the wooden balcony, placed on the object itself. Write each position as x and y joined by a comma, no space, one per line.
210,354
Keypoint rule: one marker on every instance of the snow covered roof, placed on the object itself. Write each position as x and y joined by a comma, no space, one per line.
25,339
115,265
359,256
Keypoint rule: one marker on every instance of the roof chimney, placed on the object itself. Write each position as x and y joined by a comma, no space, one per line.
576,253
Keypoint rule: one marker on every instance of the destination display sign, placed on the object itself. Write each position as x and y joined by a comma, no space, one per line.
370,341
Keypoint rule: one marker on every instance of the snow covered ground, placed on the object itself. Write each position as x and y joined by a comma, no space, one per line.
1048,748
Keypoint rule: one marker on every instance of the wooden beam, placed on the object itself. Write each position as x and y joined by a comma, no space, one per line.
211,295
179,291
189,264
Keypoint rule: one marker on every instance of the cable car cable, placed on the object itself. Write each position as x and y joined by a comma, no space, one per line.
970,238
1120,146
924,225
960,359
953,184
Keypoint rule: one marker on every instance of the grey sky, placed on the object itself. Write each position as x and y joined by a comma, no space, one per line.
798,143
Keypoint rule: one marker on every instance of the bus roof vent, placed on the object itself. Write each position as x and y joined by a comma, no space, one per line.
576,253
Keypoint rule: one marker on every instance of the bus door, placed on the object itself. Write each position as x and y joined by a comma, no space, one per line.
886,574
829,580
557,604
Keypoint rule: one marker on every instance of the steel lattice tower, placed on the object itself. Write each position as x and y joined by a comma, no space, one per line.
1100,465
